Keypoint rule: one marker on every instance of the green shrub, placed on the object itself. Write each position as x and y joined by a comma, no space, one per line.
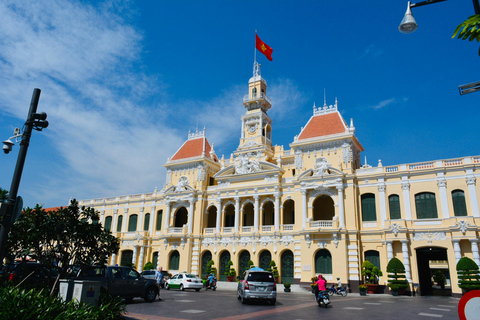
370,272
16,303
148,266
250,264
273,269
228,267
468,274
396,276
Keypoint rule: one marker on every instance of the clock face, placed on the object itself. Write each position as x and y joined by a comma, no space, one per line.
252,128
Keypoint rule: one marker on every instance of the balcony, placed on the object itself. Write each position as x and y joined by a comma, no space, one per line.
256,97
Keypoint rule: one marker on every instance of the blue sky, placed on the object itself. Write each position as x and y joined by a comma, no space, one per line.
124,81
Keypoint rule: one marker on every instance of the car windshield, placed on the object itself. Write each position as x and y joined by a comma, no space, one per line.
260,277
191,276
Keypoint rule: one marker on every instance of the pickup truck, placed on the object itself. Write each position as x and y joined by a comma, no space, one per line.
125,282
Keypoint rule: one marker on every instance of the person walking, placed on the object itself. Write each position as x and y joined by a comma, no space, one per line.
159,278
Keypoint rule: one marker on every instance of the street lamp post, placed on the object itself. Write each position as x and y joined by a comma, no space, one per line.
34,121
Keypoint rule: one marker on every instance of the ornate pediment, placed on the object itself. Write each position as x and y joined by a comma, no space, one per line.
245,165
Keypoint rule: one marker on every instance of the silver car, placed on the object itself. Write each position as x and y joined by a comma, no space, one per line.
257,285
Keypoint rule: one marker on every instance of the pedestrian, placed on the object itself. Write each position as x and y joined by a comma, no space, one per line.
159,278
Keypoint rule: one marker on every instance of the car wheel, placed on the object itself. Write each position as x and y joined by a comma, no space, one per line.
244,301
182,287
150,294
273,301
197,290
167,286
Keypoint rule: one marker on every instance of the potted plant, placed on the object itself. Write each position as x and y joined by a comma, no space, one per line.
439,278
363,289
286,287
313,285
396,276
468,274
273,269
228,271
371,274
211,268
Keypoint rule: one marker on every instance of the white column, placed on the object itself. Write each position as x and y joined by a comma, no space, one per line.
457,250
473,195
114,220
140,220
277,212
341,207
219,214
406,200
140,259
304,209
256,213
406,260
383,206
476,257
134,258
190,215
114,257
167,217
125,218
153,214
237,213
102,215
442,185
389,251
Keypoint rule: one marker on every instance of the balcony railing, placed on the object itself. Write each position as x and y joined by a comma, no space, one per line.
321,224
256,97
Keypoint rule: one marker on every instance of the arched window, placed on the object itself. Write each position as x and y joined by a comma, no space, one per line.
127,258
289,212
224,259
323,208
132,222
426,205
369,212
243,262
108,223
119,223
206,257
394,205
174,260
374,257
248,215
159,220
212,217
323,262
146,223
254,92
459,205
229,220
181,217
268,212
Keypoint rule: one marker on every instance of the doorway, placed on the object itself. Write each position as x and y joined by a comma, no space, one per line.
432,261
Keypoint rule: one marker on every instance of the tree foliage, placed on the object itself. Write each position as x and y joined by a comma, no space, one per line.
63,236
370,272
396,276
468,274
469,29
3,195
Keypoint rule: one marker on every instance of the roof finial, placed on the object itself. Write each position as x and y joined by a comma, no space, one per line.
324,98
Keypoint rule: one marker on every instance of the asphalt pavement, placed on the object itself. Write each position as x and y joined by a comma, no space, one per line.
297,305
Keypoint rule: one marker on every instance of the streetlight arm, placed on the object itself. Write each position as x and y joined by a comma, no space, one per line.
423,3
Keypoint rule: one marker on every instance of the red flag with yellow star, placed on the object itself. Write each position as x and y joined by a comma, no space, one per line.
263,48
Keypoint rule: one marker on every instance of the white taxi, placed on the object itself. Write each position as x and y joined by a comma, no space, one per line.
184,281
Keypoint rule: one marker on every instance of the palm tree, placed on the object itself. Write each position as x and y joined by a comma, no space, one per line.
3,195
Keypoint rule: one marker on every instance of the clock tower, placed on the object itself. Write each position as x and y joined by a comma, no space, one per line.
256,138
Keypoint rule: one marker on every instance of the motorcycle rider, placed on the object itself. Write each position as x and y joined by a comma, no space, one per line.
339,284
210,281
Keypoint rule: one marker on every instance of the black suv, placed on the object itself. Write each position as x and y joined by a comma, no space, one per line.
35,274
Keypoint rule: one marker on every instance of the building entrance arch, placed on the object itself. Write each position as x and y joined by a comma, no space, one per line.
224,259
429,261
287,267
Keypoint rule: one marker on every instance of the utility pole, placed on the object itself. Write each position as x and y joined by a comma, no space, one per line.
34,121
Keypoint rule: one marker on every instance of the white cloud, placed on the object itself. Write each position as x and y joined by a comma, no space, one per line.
384,103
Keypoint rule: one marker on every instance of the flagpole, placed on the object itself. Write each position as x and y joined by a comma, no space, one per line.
255,50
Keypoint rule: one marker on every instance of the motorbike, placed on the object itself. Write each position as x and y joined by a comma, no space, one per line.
323,299
340,291
211,284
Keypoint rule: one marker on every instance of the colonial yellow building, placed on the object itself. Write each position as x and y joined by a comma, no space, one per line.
312,208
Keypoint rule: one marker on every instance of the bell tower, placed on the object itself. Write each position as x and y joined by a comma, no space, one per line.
256,138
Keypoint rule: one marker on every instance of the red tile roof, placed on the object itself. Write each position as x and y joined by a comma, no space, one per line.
193,148
323,125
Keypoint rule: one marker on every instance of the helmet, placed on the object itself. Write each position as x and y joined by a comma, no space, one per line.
338,278
319,276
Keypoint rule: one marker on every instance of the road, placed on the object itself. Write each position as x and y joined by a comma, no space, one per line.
298,305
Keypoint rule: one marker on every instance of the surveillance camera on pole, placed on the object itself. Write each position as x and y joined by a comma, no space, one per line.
10,208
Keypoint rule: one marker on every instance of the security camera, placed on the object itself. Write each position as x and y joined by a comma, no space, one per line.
7,146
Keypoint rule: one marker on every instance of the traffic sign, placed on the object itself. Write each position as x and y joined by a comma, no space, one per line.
469,305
